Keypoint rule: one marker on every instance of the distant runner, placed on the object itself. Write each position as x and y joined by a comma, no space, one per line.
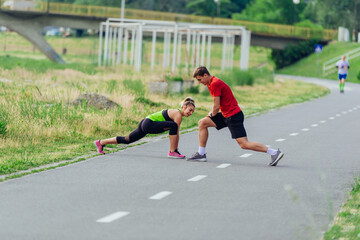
230,116
343,67
159,122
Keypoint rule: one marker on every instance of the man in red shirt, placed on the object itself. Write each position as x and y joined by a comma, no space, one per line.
230,116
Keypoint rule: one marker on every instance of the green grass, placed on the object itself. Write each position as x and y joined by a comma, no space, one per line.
41,66
84,50
311,66
38,126
347,222
40,132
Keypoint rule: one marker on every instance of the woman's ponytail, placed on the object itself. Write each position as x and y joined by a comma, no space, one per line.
187,101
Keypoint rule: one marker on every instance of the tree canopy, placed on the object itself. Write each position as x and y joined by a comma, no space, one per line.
318,13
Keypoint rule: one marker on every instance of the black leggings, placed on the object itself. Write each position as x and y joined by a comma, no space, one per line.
148,126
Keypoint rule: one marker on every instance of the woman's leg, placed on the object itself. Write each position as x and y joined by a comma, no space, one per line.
160,127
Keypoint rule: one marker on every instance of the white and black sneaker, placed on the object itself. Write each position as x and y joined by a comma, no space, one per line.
197,158
276,158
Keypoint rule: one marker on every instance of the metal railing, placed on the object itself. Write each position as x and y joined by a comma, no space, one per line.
330,67
113,12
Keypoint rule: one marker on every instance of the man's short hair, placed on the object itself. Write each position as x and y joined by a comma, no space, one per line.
200,71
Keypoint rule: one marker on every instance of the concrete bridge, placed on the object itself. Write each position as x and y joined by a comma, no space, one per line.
30,24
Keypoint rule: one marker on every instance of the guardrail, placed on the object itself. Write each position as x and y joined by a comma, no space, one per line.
113,12
329,66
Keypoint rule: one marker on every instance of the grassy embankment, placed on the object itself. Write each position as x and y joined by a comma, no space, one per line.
38,126
308,66
347,222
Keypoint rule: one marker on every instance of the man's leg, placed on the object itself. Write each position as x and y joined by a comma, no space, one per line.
255,146
342,84
276,155
204,124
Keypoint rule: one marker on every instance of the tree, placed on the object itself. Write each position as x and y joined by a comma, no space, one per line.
274,11
159,5
209,7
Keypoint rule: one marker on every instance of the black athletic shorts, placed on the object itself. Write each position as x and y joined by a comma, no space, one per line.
235,124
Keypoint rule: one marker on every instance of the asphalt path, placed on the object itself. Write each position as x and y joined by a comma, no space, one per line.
139,193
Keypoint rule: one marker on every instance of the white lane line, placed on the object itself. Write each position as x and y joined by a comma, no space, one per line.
246,155
224,165
315,125
280,140
305,129
344,112
112,217
160,195
350,110
322,121
355,108
338,115
331,118
197,178
294,134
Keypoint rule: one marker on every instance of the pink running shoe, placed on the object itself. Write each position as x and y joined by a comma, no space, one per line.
175,154
99,147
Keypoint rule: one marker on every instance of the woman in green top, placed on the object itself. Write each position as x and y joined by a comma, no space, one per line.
159,122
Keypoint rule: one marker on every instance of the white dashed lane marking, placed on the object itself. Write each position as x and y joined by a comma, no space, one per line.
338,115
160,195
344,112
315,125
197,178
322,121
331,118
280,140
246,155
294,134
224,165
112,217
305,129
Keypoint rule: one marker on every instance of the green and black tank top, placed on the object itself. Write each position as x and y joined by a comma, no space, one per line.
160,116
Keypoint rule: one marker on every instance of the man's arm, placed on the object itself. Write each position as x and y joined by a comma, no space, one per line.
216,106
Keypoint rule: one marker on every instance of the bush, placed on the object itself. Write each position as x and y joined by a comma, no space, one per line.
3,121
173,78
358,76
237,77
193,90
146,101
137,87
292,53
3,128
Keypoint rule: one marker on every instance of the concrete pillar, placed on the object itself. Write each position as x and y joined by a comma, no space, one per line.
188,39
245,49
174,48
203,46
32,32
208,52
100,44
138,57
126,42
119,48
153,47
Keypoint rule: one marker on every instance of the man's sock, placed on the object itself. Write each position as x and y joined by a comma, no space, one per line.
201,150
271,151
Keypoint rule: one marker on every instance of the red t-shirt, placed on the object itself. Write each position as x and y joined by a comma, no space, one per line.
228,103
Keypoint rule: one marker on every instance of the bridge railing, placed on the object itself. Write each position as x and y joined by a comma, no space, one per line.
330,65
113,12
